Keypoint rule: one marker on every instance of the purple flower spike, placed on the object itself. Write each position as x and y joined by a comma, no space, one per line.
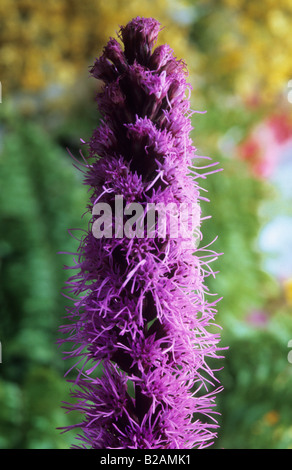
141,312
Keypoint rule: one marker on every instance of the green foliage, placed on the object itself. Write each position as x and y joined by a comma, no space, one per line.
257,378
235,197
256,375
41,197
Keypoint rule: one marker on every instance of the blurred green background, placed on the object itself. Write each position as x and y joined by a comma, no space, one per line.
239,56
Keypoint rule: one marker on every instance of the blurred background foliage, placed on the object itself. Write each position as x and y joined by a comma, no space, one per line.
239,56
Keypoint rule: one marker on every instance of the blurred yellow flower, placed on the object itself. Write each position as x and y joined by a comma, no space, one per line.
41,41
252,47
288,291
266,47
271,418
246,44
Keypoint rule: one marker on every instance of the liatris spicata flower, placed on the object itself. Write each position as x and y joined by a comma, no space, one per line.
142,313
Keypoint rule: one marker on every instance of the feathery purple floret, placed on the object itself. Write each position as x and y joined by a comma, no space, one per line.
141,308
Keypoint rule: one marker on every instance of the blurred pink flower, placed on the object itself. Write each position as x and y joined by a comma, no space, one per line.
257,318
263,148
